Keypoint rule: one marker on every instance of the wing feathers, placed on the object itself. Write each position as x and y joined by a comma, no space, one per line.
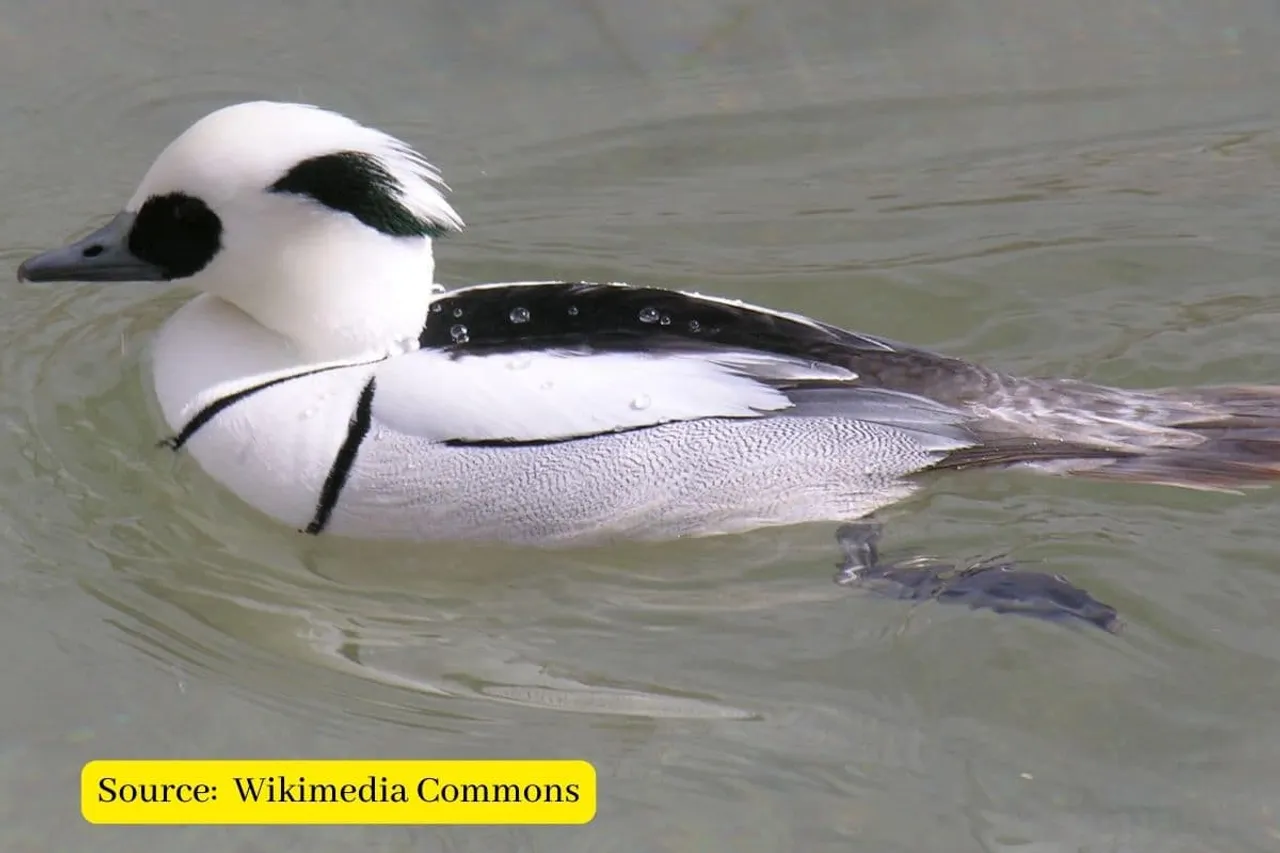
548,396
551,361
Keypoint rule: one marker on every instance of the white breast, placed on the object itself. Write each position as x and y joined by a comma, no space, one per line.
274,448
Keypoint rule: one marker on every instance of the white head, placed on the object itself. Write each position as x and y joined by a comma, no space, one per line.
317,227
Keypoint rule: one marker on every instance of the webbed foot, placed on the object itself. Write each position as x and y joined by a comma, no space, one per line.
994,584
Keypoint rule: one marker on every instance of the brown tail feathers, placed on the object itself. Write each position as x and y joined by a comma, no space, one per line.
1216,438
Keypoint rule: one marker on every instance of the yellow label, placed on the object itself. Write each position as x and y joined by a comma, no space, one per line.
338,792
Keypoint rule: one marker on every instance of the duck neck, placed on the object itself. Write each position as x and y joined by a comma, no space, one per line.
343,306
385,319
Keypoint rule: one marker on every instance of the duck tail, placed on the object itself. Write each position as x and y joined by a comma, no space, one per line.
1219,438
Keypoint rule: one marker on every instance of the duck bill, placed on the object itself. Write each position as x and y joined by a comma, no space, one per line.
101,256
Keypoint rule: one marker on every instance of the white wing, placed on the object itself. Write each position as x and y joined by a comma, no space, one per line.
552,395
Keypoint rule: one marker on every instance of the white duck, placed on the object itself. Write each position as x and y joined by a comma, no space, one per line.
324,378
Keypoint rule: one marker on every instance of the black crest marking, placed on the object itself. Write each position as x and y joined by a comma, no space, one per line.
357,183
177,233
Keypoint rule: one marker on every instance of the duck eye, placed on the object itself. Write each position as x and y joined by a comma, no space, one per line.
187,210
177,233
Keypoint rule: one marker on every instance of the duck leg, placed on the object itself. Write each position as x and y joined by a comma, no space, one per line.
994,584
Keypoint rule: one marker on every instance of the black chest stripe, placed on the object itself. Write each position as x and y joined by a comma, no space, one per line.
357,429
211,410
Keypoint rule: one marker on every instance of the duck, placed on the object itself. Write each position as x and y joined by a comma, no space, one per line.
323,376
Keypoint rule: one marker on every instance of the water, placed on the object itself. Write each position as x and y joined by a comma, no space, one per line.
1084,189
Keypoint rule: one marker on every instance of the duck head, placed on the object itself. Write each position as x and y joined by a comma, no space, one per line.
315,226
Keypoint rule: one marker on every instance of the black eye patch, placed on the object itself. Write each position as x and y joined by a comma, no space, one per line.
176,232
357,183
